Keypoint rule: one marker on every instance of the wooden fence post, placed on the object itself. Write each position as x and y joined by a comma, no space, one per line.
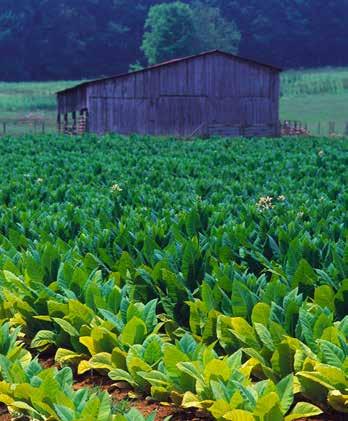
4,127
346,131
331,128
319,128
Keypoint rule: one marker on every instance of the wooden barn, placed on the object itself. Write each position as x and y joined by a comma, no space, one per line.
213,93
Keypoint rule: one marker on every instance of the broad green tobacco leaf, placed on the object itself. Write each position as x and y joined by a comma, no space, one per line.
161,268
134,332
303,410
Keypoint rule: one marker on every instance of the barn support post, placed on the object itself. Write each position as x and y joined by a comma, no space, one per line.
66,122
59,123
74,124
86,115
82,121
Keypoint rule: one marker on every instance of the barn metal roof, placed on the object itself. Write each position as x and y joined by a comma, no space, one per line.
168,63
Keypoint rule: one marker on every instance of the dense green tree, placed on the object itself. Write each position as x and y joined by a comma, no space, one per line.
213,31
170,32
178,29
74,39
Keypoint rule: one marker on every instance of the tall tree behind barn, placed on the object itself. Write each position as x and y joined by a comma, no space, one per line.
213,93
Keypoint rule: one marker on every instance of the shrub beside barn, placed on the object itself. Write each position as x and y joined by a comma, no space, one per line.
213,93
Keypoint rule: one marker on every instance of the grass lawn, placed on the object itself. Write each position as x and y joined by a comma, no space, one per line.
312,109
29,100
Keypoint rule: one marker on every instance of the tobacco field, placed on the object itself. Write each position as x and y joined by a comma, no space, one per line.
210,274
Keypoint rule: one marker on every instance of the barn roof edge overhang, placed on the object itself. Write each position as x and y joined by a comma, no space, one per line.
167,63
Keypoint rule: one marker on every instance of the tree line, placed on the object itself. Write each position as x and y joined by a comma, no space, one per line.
74,39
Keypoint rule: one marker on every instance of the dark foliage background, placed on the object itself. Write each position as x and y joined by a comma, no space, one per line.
74,39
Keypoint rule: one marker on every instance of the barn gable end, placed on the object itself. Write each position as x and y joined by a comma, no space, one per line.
210,94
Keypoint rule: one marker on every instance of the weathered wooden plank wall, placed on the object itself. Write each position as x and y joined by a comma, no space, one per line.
215,93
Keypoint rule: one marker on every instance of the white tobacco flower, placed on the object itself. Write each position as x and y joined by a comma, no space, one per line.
265,202
115,188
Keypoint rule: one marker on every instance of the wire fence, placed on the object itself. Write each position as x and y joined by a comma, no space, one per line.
327,128
26,126
287,128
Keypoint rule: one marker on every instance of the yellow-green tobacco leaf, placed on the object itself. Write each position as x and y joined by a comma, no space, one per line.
264,335
193,369
176,397
91,408
119,418
239,415
85,330
155,378
261,313
6,399
217,369
104,409
268,407
191,400
19,406
324,297
118,358
304,274
23,391
43,339
237,400
313,386
153,349
333,375
299,359
101,361
64,356
219,409
338,401
43,318
297,386
285,390
104,340
283,359
247,368
88,342
56,309
244,332
345,366
209,330
160,393
121,375
79,313
331,353
171,357
136,365
331,334
83,367
223,331
134,332
303,410
67,327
